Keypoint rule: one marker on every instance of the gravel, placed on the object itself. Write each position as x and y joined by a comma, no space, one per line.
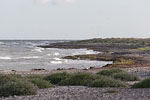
85,93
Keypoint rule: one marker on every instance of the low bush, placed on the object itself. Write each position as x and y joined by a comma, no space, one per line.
35,76
107,82
78,79
57,77
18,88
109,72
7,78
143,84
111,91
124,76
40,83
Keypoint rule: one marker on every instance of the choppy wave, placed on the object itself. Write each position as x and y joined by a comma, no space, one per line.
56,54
49,54
5,58
57,59
91,52
32,57
38,49
14,43
56,62
85,52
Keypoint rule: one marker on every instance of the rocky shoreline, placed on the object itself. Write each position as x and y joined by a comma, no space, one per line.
124,56
85,93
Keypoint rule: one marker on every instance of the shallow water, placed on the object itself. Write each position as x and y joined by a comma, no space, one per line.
25,55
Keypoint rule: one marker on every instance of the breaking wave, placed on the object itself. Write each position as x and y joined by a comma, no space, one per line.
57,59
56,54
56,62
32,57
38,49
5,58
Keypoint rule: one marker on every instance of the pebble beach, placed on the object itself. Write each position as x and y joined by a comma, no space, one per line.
85,93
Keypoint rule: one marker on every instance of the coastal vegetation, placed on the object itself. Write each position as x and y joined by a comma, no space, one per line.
107,82
79,79
124,76
135,41
40,83
111,91
11,85
115,60
144,49
57,77
118,74
143,84
109,72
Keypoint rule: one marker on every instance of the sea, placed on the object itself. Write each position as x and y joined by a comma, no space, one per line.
24,55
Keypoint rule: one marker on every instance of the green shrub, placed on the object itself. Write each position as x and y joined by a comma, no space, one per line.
7,78
40,83
57,77
78,79
107,82
124,76
18,88
143,84
111,91
35,76
109,72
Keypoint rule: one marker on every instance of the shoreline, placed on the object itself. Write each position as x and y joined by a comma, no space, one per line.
126,56
130,60
85,93
142,72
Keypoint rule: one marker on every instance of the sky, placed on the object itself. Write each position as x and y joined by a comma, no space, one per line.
74,19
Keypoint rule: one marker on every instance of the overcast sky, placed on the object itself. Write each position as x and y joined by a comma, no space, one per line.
74,19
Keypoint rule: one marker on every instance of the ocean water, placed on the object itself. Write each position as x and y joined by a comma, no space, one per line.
25,55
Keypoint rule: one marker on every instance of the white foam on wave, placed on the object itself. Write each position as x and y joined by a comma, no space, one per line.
32,57
15,43
85,52
57,59
5,58
56,62
56,54
91,52
49,54
38,49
